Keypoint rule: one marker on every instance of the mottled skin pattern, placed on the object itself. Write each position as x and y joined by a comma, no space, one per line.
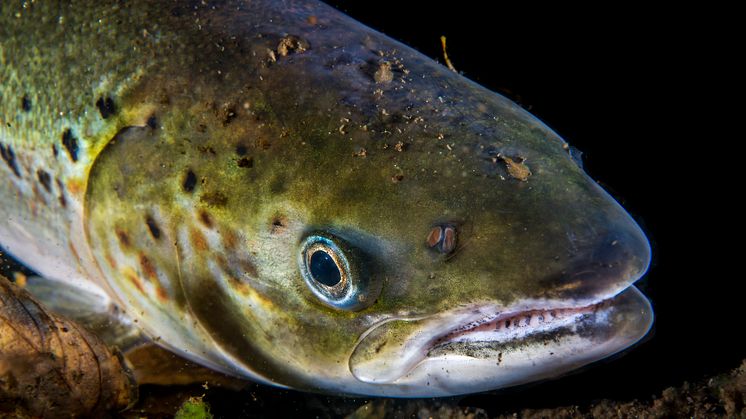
188,148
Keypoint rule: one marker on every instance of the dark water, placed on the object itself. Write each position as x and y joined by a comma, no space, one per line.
624,87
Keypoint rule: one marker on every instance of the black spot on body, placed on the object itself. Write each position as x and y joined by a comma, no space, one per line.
44,179
106,106
25,103
241,150
155,231
152,122
10,158
55,152
246,162
190,181
279,224
71,144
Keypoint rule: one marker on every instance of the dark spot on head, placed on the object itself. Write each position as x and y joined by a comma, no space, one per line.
124,239
246,162
205,218
25,103
71,144
279,224
190,181
215,199
241,150
152,122
10,158
44,179
106,106
155,231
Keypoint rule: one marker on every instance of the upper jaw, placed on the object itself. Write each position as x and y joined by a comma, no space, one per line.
396,350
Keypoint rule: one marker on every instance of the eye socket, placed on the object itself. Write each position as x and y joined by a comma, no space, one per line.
333,270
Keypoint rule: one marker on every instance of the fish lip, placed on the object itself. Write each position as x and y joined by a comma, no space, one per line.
462,326
531,319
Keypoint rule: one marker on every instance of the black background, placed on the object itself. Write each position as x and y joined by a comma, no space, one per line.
645,94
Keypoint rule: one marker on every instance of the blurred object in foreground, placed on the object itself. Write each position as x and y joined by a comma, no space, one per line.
51,367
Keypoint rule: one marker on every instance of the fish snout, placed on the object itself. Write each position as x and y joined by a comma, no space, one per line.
605,265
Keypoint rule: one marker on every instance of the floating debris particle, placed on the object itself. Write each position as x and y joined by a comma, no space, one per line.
292,44
449,64
384,74
47,360
516,167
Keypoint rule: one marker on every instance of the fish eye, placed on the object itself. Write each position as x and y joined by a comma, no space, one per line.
333,271
324,269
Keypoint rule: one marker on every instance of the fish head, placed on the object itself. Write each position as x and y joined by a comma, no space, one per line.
285,235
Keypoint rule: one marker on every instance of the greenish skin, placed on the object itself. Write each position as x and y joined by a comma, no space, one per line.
273,139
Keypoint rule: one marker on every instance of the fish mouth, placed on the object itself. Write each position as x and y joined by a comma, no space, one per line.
486,346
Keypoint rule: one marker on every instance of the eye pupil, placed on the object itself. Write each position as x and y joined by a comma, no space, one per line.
324,269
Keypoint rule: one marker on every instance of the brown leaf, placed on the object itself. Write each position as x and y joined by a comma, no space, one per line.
52,367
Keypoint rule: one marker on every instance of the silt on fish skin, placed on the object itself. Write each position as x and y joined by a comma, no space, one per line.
278,192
